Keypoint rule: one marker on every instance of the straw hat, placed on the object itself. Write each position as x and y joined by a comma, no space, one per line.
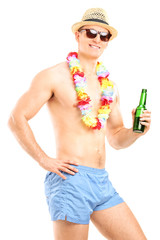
95,16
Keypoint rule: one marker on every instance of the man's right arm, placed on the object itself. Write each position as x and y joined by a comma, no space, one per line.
26,108
28,105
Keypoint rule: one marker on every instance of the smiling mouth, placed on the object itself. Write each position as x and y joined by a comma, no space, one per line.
93,46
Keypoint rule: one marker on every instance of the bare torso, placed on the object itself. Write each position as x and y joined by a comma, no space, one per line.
74,140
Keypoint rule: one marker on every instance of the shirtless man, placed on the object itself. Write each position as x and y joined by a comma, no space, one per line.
76,185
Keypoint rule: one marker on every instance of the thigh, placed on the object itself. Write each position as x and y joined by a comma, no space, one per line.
64,230
118,223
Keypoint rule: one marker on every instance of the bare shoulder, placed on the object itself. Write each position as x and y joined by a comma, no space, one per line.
60,67
54,72
49,78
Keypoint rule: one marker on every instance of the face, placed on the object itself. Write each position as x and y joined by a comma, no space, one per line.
92,47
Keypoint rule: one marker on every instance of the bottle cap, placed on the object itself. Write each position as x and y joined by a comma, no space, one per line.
144,90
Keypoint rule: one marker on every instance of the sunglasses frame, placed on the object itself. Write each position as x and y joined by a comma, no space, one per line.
88,30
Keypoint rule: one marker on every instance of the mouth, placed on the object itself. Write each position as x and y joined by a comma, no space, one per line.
94,46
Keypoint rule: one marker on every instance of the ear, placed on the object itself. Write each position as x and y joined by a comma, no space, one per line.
77,36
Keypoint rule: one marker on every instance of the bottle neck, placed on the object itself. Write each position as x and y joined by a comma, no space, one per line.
142,101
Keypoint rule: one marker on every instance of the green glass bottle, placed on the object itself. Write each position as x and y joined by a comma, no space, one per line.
137,126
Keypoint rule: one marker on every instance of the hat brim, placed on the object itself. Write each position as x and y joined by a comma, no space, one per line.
112,30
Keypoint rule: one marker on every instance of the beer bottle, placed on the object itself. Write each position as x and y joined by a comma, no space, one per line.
137,126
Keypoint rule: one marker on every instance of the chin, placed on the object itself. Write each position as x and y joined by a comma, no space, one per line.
94,54
94,51
91,53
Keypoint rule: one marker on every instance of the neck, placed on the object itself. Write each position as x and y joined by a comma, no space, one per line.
88,64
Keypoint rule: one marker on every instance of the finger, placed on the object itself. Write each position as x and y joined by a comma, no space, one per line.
72,168
61,175
145,119
71,162
67,171
133,110
145,124
67,167
145,115
146,111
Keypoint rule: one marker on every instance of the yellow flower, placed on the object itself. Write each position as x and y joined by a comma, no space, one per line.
98,65
110,83
80,89
104,107
74,69
104,110
89,120
106,83
82,95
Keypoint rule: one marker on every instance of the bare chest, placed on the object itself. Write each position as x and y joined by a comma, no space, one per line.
66,94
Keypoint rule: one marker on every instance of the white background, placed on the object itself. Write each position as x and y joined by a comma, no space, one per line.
35,35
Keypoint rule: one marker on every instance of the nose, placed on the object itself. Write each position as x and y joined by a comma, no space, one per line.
97,38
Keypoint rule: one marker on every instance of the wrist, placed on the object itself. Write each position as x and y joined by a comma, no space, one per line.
136,135
41,158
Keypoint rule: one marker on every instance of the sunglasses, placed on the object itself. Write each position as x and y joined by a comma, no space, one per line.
91,33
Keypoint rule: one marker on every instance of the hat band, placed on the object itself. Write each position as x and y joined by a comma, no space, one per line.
96,20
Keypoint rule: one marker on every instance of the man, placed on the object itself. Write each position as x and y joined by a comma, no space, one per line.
77,187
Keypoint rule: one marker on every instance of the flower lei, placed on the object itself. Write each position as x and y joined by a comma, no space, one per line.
80,83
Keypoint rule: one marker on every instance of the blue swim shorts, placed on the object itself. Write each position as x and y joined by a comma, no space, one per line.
76,197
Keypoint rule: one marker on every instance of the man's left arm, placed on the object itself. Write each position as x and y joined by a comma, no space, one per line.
117,134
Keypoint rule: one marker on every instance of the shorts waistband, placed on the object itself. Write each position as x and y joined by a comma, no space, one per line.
90,169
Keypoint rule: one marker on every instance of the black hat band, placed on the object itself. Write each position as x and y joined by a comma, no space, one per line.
96,20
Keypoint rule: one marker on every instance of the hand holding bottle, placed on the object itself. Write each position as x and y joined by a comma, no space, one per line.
141,116
145,119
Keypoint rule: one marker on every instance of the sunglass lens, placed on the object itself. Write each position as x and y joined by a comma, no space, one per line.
91,33
105,36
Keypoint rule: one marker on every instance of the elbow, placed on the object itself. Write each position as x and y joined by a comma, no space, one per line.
14,121
115,145
10,122
117,148
115,141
